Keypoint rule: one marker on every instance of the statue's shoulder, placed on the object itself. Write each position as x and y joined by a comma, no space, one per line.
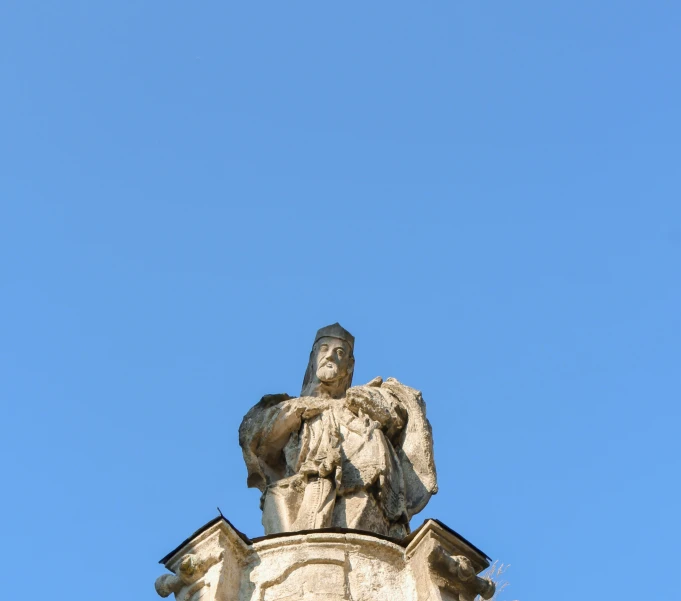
269,400
259,412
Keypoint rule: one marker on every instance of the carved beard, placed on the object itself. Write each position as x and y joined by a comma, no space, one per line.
327,372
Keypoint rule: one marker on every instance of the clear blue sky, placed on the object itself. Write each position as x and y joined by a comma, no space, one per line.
487,194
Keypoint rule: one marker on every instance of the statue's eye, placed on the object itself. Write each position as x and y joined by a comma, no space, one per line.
324,347
340,352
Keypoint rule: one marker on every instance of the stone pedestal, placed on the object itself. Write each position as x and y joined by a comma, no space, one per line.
218,563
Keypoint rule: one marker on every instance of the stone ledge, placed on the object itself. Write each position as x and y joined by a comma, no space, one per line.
219,563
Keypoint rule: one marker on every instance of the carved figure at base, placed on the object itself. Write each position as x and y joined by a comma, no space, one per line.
339,455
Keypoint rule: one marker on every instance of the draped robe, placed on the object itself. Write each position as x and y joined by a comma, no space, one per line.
366,465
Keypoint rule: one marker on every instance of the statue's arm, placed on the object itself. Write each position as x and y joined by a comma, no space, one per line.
266,430
284,419
263,433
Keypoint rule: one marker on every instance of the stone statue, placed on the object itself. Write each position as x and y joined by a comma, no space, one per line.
345,456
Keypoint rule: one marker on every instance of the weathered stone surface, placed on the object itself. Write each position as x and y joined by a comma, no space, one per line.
342,470
445,566
206,566
219,564
340,456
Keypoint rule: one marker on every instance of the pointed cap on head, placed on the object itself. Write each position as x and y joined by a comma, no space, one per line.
336,331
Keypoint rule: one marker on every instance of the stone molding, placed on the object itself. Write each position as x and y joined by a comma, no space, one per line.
218,563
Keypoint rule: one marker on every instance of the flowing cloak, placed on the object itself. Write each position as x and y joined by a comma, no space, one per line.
389,448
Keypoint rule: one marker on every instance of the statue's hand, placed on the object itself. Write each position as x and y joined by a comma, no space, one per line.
313,406
370,401
361,400
305,407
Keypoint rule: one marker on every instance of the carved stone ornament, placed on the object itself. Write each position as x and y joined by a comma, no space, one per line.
338,455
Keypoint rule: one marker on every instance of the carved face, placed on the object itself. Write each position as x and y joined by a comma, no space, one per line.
332,359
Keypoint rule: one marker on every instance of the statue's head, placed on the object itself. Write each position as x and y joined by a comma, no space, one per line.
329,370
